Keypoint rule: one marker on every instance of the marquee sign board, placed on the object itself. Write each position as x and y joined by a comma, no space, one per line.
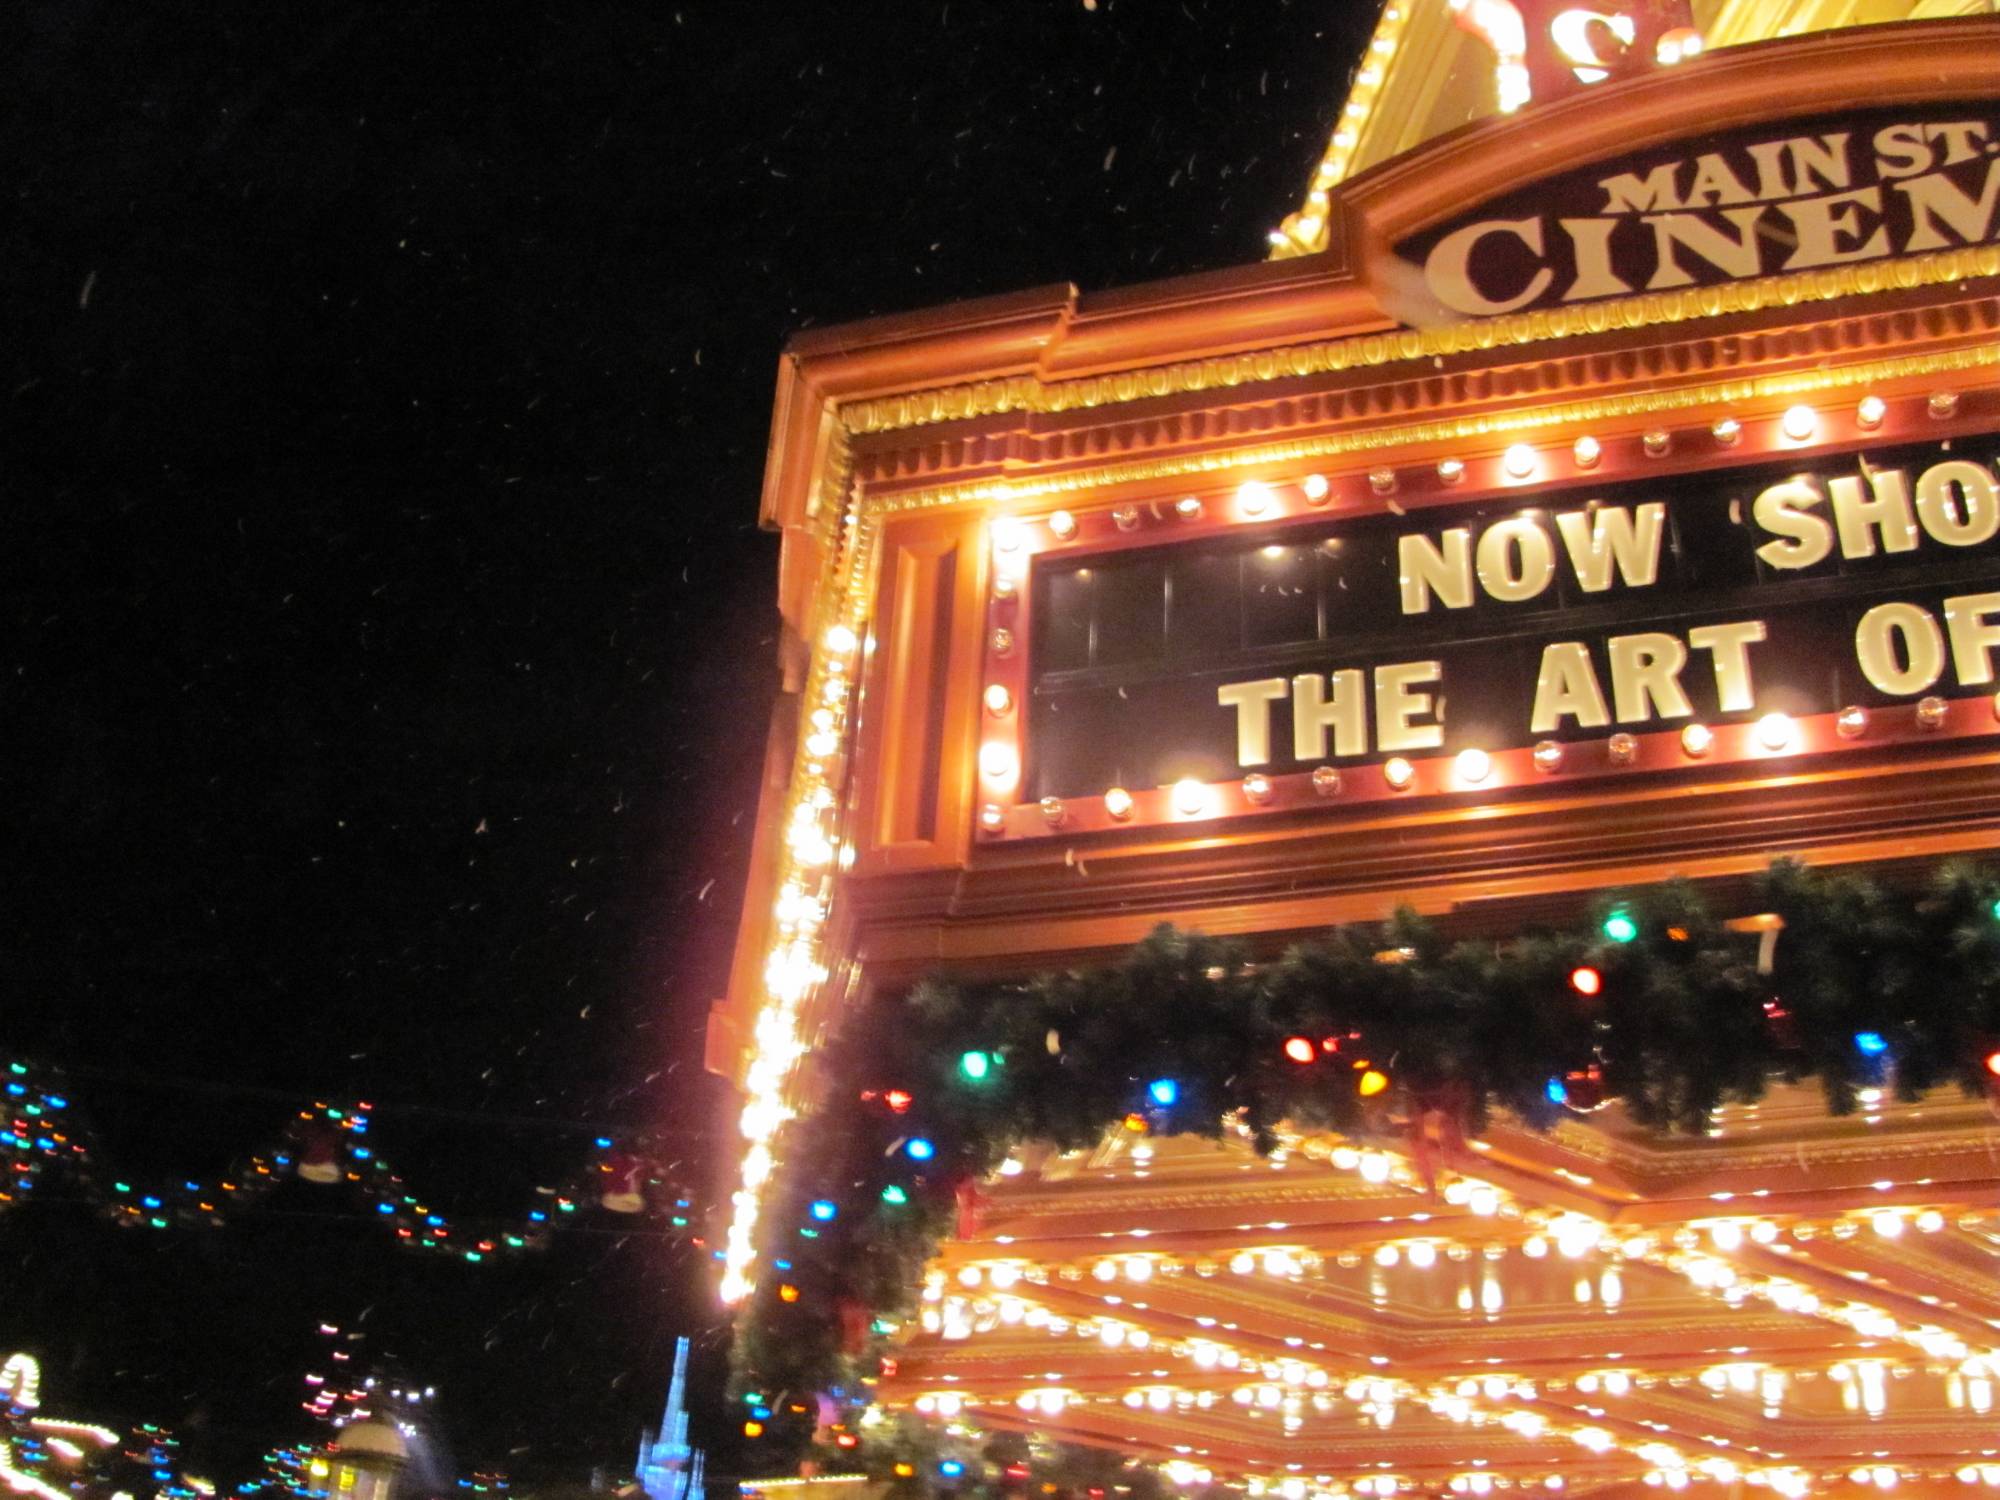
1802,196
1563,615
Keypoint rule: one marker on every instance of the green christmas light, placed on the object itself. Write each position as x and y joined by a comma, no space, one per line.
976,1065
894,1196
1620,927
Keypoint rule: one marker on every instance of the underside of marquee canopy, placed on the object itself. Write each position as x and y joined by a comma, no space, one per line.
1794,1301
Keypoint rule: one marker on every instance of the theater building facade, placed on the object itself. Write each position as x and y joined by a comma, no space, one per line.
1595,487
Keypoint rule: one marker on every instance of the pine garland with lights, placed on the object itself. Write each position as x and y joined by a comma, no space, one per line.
1655,1002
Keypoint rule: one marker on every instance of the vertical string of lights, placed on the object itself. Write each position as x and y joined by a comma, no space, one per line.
811,853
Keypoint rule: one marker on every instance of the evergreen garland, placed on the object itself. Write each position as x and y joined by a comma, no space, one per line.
1866,986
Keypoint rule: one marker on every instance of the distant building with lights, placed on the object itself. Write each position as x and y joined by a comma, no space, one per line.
1595,487
366,1462
670,1468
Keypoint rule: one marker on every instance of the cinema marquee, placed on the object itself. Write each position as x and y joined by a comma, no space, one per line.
1598,486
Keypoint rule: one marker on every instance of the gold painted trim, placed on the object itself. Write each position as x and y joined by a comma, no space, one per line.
1028,393
1461,429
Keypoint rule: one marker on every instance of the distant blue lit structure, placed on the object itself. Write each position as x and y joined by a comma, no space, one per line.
668,1468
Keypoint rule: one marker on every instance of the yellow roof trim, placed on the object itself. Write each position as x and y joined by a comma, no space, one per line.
1402,93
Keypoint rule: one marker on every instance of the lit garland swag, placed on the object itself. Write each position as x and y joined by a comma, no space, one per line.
1866,986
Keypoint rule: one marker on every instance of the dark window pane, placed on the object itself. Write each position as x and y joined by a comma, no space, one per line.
1207,613
1280,596
1131,600
1062,621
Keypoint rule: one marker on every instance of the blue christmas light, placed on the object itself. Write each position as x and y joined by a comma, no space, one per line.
1556,1092
1870,1043
919,1149
824,1209
951,1468
1164,1092
385,1208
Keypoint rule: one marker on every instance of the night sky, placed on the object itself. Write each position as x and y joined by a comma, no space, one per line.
388,638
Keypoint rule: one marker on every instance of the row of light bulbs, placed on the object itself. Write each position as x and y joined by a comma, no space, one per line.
793,965
1190,798
1520,463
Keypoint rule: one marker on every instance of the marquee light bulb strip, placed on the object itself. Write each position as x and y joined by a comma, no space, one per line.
793,967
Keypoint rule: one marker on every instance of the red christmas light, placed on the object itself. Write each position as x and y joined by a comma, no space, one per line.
1300,1049
1993,1063
898,1101
1586,980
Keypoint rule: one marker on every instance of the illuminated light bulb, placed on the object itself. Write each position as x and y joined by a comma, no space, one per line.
1728,432
1382,481
1450,471
1190,798
1930,1221
1868,414
1004,587
1585,980
1257,787
1535,1247
1799,423
1888,1225
998,763
1852,722
1484,1201
841,641
1187,507
1697,740
1387,1256
1316,489
1423,1255
1777,733
1677,46
1126,517
1726,1235
1520,461
1587,451
1399,773
1942,405
1002,642
1300,1049
1473,766
1007,535
999,702
1931,713
1053,811
1253,498
992,817
1993,1063
1372,1083
1622,748
1118,803
1326,780
1062,525
1656,443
